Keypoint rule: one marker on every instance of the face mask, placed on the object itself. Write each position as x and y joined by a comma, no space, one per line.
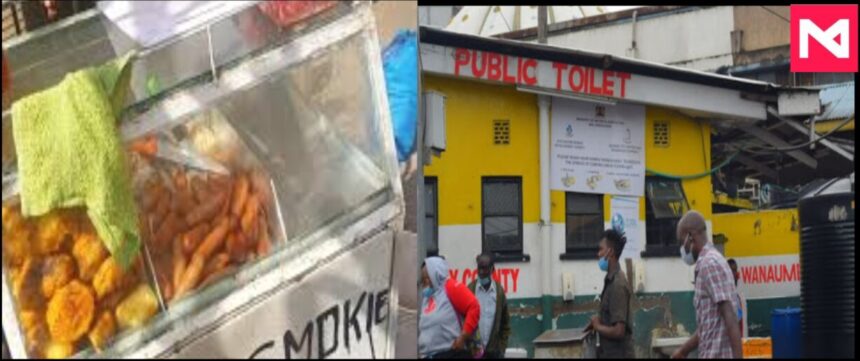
603,263
687,256
427,292
485,281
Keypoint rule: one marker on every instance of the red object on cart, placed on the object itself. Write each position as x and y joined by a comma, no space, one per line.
287,13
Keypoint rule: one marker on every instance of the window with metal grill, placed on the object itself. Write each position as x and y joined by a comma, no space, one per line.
502,217
661,134
665,203
431,217
501,132
583,224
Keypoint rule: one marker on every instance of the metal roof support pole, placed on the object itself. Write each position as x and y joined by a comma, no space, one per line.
546,261
546,258
542,17
799,127
775,141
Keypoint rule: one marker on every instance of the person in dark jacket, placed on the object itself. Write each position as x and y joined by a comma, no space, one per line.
613,322
495,324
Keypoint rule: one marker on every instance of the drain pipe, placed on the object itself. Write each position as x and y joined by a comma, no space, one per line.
546,257
633,36
545,221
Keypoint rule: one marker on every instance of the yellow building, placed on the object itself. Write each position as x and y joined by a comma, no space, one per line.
489,189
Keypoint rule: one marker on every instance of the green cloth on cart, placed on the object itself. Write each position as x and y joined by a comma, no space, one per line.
70,154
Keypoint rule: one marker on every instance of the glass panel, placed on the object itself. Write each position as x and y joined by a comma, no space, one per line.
582,203
667,199
430,233
246,32
430,198
310,137
661,232
501,198
584,231
502,234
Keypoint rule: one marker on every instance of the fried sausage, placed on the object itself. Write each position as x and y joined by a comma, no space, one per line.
264,243
240,195
170,228
179,262
215,276
200,189
217,263
237,247
153,197
184,201
191,276
250,215
192,238
161,210
214,239
206,210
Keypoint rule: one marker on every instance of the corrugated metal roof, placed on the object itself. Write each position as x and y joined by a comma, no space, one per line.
837,101
495,20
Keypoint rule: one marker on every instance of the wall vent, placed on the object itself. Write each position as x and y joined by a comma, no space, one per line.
501,132
661,134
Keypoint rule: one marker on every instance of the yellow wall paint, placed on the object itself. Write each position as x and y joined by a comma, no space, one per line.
471,154
689,152
772,236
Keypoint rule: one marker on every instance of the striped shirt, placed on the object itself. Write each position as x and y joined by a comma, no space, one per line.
714,284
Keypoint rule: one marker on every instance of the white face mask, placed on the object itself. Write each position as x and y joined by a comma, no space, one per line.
687,256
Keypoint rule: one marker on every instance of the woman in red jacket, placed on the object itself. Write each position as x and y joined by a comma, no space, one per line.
449,313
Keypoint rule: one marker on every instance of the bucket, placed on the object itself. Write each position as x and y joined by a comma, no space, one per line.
786,333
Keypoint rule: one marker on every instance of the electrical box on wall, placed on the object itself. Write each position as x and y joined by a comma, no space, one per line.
567,286
434,121
638,276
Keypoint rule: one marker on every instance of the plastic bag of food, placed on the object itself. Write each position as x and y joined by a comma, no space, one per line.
206,201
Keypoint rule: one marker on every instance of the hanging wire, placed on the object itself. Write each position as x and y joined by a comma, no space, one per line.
774,13
697,175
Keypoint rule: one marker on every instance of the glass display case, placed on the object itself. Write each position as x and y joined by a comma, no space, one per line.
260,148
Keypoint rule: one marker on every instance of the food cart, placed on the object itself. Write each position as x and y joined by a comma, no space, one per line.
291,115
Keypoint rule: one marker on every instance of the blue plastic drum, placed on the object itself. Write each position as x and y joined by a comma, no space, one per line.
786,333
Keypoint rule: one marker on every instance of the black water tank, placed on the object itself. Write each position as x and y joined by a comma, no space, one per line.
827,269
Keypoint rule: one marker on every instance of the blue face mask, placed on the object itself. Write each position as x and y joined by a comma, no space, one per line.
427,292
485,281
603,263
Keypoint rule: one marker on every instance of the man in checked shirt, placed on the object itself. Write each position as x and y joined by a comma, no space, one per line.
717,333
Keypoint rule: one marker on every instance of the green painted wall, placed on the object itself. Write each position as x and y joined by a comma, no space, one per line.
759,311
664,314
667,314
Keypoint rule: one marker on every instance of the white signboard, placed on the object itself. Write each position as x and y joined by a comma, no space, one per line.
576,79
597,148
625,216
769,276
